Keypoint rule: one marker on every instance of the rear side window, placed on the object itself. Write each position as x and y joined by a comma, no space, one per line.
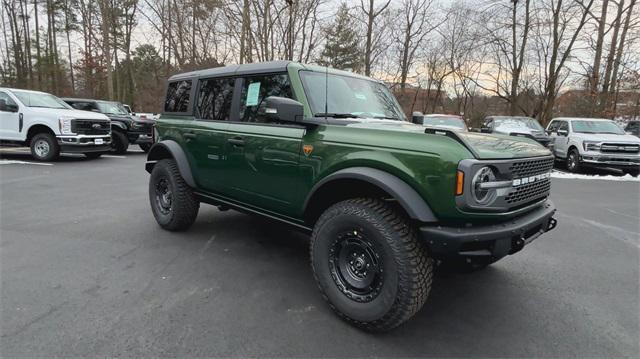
214,99
563,126
178,93
256,89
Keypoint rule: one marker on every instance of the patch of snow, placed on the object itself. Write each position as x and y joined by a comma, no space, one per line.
565,175
14,162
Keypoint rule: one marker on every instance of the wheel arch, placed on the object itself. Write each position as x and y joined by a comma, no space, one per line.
36,129
169,149
365,181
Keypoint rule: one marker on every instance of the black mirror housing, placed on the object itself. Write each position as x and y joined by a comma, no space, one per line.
282,109
417,117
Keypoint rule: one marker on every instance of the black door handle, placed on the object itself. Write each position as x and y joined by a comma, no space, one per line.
236,141
189,136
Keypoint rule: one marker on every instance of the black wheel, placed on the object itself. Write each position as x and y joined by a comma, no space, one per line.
44,147
172,201
369,264
145,147
119,142
573,161
93,155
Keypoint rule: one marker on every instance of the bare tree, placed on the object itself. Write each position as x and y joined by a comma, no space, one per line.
372,47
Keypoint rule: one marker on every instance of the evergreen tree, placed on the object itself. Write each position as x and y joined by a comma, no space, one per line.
342,48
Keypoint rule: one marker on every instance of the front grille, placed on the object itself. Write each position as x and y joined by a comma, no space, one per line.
532,187
620,148
85,127
531,167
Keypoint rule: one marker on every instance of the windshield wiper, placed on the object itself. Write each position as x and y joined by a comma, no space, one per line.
336,115
387,118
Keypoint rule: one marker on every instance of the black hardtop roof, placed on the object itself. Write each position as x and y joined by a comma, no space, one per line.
510,117
258,68
84,99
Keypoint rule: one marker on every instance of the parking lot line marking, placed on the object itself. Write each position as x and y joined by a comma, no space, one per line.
114,156
14,162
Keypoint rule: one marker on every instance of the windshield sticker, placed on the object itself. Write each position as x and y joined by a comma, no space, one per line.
252,94
360,96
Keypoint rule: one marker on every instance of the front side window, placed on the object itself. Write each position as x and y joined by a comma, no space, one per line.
553,126
214,99
349,97
563,126
7,100
39,99
178,94
256,88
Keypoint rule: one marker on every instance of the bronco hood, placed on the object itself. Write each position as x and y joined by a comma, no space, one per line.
483,146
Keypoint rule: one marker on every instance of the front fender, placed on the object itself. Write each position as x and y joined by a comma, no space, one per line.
408,198
169,149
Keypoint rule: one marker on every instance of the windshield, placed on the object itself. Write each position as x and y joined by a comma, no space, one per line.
596,127
112,108
523,122
349,97
450,121
38,99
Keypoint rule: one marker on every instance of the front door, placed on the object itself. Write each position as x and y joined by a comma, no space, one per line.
561,142
10,119
262,157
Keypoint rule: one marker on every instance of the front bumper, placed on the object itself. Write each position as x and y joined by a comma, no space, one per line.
489,242
84,141
598,159
139,138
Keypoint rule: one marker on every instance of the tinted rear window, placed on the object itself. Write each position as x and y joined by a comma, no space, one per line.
178,94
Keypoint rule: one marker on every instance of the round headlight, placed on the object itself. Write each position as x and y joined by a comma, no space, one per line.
482,195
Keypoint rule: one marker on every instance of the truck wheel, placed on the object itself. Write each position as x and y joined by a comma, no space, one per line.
172,201
93,155
145,147
573,161
44,147
119,142
369,264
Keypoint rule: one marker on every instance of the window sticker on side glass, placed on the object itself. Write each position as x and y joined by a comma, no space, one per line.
360,96
252,94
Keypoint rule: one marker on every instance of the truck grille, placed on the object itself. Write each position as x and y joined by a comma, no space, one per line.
86,127
620,147
532,186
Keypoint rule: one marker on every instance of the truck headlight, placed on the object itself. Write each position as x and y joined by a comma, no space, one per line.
591,146
483,195
65,125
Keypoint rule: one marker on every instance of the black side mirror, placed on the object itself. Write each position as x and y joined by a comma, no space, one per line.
284,109
417,117
7,108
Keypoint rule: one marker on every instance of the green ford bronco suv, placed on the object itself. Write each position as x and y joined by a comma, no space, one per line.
331,153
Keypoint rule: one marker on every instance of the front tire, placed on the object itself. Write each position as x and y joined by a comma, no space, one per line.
119,142
173,203
44,147
573,161
369,264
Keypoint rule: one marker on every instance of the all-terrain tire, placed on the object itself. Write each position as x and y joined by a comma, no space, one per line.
119,142
44,147
177,209
405,269
145,147
573,161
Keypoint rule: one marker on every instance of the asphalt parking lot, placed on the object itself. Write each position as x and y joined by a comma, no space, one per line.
86,271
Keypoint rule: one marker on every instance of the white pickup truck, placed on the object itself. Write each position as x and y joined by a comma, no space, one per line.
49,126
594,142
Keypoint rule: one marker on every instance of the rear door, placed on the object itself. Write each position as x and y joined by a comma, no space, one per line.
262,157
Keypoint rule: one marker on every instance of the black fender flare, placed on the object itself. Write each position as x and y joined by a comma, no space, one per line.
120,125
170,149
407,197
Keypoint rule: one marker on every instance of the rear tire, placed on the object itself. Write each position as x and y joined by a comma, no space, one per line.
145,147
573,161
173,204
119,142
44,147
369,264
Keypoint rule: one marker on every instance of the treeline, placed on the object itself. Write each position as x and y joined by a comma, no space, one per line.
471,57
